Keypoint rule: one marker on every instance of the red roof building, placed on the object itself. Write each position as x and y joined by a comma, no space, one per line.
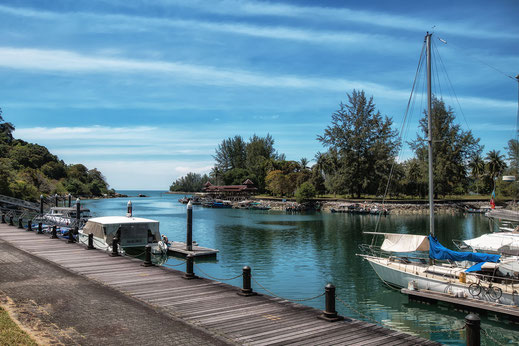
219,191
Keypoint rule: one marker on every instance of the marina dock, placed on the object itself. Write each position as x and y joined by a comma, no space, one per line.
179,248
211,305
465,304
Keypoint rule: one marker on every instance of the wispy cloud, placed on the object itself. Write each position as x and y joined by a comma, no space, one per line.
465,27
61,61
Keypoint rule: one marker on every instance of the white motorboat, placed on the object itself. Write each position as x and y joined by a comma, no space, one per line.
130,231
66,216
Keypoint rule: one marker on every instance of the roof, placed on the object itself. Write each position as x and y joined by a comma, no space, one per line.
229,188
111,220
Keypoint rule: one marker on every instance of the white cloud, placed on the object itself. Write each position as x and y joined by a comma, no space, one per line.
467,28
146,174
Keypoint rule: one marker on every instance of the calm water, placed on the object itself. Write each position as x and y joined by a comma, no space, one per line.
295,255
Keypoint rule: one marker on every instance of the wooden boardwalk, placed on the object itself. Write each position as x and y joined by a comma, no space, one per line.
211,305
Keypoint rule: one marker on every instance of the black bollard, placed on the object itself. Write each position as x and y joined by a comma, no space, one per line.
329,314
115,251
3,218
53,233
29,226
56,201
189,241
71,239
473,327
90,241
189,275
69,200
20,223
11,223
40,228
147,259
247,287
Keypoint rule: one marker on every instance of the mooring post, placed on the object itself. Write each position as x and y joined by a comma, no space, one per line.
78,216
329,314
189,268
473,327
53,233
247,287
20,222
189,240
56,200
40,228
3,218
115,251
41,205
11,223
69,200
71,239
147,258
90,241
29,225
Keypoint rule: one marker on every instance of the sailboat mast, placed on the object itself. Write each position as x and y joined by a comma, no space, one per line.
430,136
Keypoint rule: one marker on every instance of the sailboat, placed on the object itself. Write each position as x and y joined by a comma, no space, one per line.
420,262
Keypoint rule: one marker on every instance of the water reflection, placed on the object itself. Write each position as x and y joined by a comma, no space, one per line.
295,255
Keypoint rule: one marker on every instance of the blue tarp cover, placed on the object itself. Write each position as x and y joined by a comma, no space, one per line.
438,251
475,268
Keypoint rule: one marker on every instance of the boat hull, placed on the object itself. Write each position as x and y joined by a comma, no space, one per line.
407,278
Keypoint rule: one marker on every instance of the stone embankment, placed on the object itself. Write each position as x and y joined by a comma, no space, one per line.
397,208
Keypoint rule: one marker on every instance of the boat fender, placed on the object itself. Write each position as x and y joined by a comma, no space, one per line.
412,285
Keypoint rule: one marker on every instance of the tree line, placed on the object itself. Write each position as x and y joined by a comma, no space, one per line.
361,156
28,170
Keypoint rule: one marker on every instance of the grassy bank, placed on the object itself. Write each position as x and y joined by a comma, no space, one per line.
10,333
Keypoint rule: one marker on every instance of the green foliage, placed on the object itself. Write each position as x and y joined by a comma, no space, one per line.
28,170
305,192
452,150
191,182
362,144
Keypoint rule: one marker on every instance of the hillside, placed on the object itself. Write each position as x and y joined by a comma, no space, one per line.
28,170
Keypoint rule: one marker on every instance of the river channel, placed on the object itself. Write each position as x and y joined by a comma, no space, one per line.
295,255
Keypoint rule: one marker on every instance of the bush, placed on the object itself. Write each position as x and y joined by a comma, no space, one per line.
305,192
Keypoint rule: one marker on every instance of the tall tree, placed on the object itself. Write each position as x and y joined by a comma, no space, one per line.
6,130
452,149
231,154
365,143
495,163
477,169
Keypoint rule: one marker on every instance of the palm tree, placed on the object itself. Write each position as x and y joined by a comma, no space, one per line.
477,169
496,164
304,163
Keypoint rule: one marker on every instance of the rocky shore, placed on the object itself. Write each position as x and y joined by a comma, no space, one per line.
396,208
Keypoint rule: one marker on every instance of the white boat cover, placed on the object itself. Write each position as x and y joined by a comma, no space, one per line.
494,242
405,243
134,230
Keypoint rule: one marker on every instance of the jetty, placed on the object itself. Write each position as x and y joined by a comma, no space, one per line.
464,304
234,315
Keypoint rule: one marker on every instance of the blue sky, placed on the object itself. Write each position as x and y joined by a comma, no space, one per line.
145,90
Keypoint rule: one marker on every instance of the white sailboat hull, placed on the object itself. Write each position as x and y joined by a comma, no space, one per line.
415,277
